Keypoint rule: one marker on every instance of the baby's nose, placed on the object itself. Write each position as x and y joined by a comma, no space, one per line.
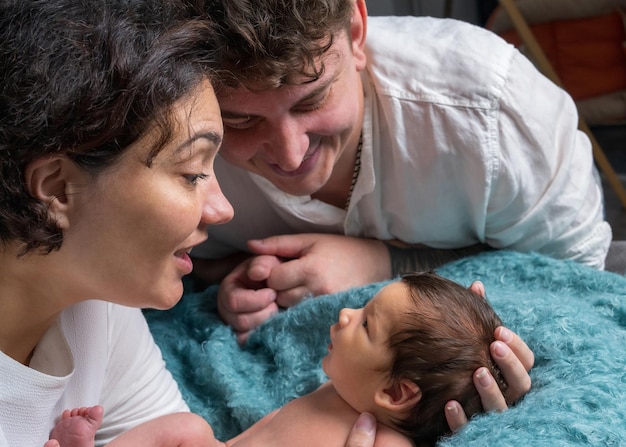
344,317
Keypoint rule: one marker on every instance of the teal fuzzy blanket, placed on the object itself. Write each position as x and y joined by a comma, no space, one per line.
573,317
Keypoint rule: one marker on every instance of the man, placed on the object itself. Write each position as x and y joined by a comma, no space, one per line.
432,135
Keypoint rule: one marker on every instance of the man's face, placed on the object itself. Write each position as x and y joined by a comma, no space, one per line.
296,135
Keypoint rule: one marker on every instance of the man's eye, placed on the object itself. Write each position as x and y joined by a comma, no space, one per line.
313,105
238,123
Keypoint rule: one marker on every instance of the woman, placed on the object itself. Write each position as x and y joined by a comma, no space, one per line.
108,131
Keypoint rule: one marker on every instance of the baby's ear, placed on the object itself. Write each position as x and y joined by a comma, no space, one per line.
399,396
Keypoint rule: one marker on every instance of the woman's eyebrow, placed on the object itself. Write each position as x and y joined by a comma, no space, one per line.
213,137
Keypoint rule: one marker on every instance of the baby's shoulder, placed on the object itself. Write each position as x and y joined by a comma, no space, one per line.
388,437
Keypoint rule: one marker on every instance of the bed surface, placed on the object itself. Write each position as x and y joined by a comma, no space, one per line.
573,317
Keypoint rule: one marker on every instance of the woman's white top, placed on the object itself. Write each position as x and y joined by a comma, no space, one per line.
96,353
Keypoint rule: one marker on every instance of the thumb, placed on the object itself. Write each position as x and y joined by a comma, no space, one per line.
261,266
283,246
363,432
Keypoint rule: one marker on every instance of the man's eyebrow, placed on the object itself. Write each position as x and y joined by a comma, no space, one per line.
231,115
319,89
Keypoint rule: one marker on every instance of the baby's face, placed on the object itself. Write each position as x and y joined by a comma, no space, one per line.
358,358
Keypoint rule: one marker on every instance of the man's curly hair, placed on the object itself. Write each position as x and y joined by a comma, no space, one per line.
270,43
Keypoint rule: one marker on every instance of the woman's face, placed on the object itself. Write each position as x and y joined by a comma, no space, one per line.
131,228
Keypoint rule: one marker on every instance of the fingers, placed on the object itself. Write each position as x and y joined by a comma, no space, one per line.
363,432
294,280
284,246
514,360
478,288
242,337
288,275
243,303
244,310
287,278
291,297
455,415
513,357
490,394
260,267
517,345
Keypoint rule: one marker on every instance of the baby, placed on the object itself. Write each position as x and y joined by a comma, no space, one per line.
411,349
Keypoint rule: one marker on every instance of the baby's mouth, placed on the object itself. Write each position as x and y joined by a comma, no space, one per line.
183,252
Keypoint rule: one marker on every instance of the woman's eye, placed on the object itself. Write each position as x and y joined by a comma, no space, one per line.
365,323
193,178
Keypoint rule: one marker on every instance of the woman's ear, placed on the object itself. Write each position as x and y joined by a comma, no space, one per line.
48,179
358,31
398,397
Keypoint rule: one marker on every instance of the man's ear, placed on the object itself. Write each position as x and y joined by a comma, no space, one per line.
399,396
358,31
48,179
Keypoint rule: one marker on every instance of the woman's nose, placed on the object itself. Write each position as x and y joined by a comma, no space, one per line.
216,209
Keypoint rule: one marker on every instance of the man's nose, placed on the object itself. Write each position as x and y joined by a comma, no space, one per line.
288,145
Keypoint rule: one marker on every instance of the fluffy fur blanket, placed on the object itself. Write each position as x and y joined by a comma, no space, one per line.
573,317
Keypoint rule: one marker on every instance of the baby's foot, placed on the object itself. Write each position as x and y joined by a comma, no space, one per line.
77,428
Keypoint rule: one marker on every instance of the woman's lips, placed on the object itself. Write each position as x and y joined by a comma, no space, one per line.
184,262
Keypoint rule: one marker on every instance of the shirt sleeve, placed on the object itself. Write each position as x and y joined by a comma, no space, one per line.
545,192
137,385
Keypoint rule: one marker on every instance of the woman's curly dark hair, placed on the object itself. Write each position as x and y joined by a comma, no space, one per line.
87,78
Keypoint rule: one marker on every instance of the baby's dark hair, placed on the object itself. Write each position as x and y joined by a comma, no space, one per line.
438,345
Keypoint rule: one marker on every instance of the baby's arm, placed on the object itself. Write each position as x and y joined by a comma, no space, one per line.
178,429
78,427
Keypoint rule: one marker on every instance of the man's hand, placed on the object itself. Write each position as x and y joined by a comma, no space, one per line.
243,300
319,264
290,267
